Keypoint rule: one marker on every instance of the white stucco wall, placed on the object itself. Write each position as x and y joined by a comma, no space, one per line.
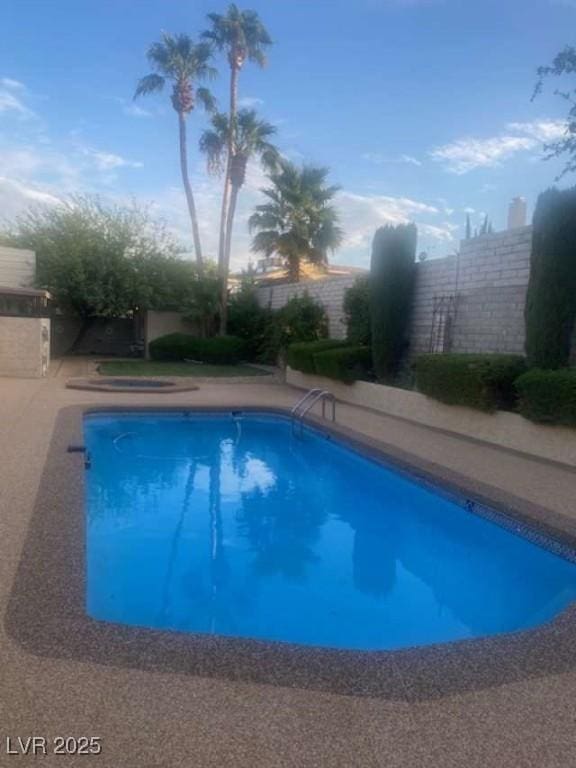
17,267
24,347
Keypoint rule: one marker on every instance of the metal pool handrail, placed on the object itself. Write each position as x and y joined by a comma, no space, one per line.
309,401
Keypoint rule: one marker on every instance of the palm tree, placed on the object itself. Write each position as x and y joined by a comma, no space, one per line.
251,140
241,35
298,221
177,59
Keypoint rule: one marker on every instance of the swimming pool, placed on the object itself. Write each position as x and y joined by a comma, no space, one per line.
227,524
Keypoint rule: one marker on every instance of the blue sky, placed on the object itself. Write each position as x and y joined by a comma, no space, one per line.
421,108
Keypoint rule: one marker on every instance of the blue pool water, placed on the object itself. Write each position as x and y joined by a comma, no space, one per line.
229,525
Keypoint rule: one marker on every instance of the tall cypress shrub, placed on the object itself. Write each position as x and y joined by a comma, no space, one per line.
550,311
392,279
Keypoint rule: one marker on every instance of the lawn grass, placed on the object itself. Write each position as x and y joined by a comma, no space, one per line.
152,368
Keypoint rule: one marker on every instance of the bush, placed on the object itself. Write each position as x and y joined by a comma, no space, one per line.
300,356
219,350
485,382
392,281
357,312
248,320
551,298
548,396
300,319
347,364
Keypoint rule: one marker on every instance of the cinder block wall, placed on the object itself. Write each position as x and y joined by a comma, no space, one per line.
488,280
24,347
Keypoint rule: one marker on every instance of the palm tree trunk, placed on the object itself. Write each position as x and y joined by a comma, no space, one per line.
188,189
224,251
226,264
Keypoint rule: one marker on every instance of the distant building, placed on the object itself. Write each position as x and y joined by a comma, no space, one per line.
273,271
517,213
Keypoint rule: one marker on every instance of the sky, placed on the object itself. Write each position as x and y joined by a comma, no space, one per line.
421,109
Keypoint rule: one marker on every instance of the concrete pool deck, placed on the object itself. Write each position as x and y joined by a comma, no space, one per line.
154,718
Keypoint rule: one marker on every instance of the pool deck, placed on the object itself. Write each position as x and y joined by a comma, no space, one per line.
166,718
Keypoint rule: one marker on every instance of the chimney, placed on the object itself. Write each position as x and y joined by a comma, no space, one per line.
517,213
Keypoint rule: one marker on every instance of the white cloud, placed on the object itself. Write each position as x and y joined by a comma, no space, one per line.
464,155
108,161
131,109
541,130
250,102
15,197
11,103
379,159
13,85
467,154
361,215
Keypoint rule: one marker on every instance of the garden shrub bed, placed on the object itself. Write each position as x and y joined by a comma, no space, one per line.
219,350
548,397
484,382
344,363
301,355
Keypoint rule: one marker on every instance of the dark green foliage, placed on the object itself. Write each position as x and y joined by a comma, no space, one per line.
485,382
357,312
347,364
392,276
300,319
248,320
301,356
550,311
548,396
220,350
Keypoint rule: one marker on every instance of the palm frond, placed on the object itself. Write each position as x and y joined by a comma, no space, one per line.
149,84
206,98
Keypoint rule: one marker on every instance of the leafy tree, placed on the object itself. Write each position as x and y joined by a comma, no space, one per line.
300,319
392,280
177,59
357,312
241,36
251,140
248,320
298,221
550,311
563,64
92,256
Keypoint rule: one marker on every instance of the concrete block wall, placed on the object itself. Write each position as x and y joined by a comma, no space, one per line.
24,347
488,282
492,283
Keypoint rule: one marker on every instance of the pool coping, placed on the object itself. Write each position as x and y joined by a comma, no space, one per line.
45,613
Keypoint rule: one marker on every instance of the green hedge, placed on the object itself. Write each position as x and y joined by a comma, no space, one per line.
300,356
219,350
485,382
548,396
347,364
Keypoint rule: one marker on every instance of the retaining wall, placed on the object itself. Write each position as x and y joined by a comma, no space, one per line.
507,430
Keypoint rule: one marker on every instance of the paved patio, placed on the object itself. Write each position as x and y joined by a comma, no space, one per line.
150,719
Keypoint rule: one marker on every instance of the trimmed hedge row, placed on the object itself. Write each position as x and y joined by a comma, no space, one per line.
300,355
485,382
346,364
548,397
335,359
218,350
